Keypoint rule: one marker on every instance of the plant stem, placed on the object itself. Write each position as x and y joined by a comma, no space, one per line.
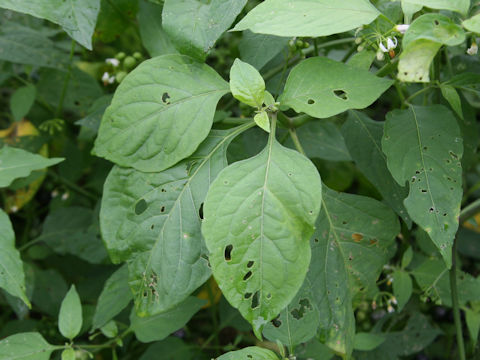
456,308
469,211
72,186
296,141
419,92
58,113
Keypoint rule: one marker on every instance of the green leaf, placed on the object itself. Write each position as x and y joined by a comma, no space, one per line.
363,137
158,327
152,220
70,317
68,354
110,329
12,277
50,289
169,349
21,101
368,341
246,84
461,6
298,322
115,18
451,95
322,87
95,114
259,49
431,167
249,353
258,216
434,27
115,296
262,120
415,60
323,140
307,18
77,18
351,243
195,25
169,116
472,24
409,10
402,288
154,37
407,257
473,324
362,60
25,346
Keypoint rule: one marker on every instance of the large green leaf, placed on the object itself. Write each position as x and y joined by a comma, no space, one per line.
249,353
12,277
431,165
259,215
460,6
17,163
77,18
169,349
307,17
158,327
70,317
195,25
363,137
153,221
322,87
169,116
115,18
352,242
259,49
26,346
115,296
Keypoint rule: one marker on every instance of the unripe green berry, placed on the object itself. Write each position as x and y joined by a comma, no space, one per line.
120,76
138,55
120,56
129,62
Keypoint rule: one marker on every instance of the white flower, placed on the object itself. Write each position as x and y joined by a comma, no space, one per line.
14,209
391,44
402,28
65,196
112,61
390,309
380,56
394,300
473,49
107,79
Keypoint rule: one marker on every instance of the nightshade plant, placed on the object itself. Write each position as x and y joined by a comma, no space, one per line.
309,162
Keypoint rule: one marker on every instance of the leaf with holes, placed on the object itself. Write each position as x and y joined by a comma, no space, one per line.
363,137
249,353
353,239
195,25
259,215
26,346
152,220
12,277
78,18
169,116
460,6
431,166
246,84
322,87
310,18
415,60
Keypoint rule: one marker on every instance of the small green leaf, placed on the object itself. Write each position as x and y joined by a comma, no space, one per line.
307,18
407,257
434,27
451,95
246,84
322,87
362,60
158,327
368,341
68,354
269,99
70,317
472,24
262,120
21,101
259,215
431,167
473,324
17,163
461,6
249,353
169,116
110,329
25,346
402,288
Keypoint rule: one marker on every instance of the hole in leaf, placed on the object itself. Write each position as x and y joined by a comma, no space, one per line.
430,210
228,252
162,209
316,240
163,190
424,191
247,276
247,295
166,98
436,22
276,322
250,263
141,206
200,211
340,94
311,101
255,300
152,227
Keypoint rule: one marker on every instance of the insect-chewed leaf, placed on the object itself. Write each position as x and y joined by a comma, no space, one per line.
424,148
259,215
153,221
160,113
252,352
25,346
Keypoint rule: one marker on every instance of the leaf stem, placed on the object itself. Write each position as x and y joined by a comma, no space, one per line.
469,211
296,141
419,92
456,308
58,112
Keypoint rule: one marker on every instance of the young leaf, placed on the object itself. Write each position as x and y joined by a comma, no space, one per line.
451,95
431,166
262,120
169,116
460,6
195,25
17,163
363,137
473,324
78,18
70,317
249,353
12,277
115,296
21,101
307,18
259,49
158,327
259,214
322,87
152,220
68,354
350,245
110,329
402,288
25,346
246,84
472,24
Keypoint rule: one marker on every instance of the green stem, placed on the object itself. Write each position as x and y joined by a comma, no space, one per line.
469,211
315,47
419,92
296,141
400,93
72,186
456,308
58,112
